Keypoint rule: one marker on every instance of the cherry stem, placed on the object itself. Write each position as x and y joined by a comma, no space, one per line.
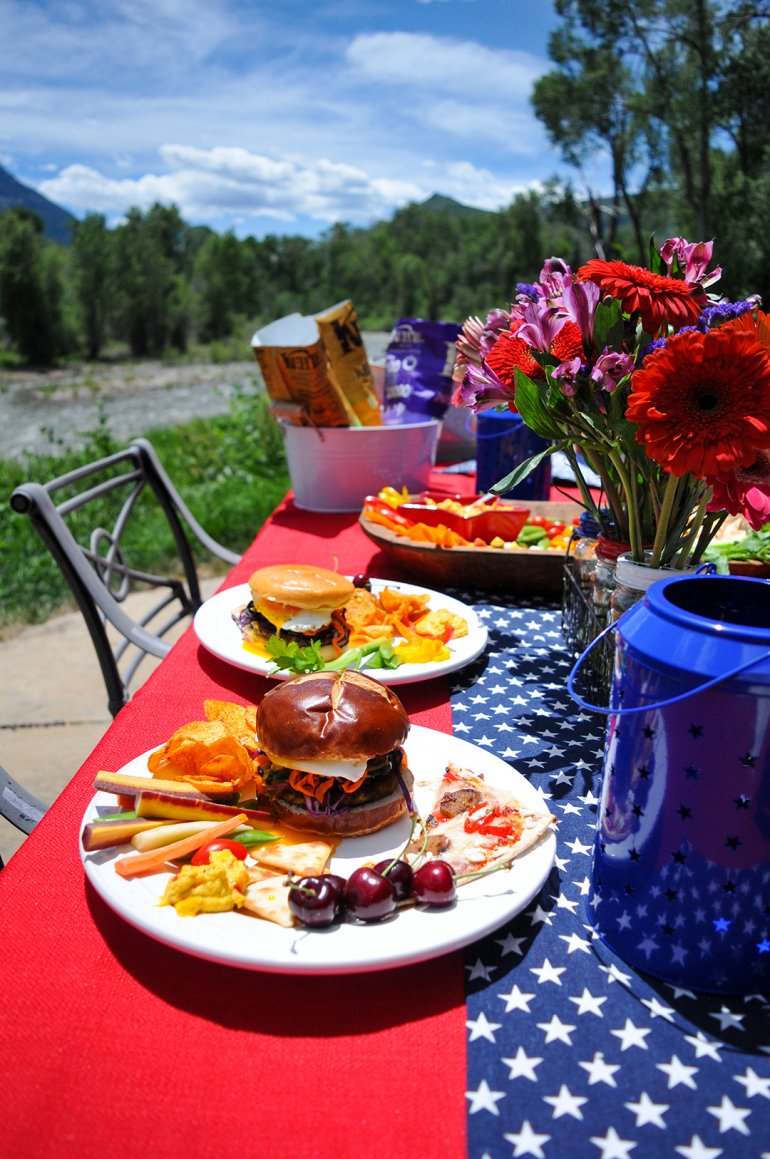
416,819
473,873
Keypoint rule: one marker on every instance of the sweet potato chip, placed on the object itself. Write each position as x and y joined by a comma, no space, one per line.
238,719
440,623
203,749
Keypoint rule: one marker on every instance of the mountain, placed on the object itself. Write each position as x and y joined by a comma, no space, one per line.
57,222
437,203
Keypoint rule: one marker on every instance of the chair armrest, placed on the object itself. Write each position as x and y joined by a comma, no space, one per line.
148,451
17,805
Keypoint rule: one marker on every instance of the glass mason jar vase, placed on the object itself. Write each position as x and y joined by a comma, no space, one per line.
607,554
632,579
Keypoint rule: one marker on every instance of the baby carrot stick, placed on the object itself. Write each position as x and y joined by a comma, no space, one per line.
140,863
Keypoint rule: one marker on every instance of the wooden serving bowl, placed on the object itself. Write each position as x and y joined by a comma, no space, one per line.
490,569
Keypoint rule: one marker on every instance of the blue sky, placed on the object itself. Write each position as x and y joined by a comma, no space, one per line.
274,116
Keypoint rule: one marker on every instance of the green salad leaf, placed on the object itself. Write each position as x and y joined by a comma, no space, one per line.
754,545
289,656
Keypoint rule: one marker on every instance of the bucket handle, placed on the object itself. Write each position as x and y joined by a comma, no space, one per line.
764,655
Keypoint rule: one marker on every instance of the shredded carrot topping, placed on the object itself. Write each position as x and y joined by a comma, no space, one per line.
313,785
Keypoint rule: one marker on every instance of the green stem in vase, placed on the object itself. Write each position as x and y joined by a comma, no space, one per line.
585,492
711,525
684,554
634,538
667,506
596,462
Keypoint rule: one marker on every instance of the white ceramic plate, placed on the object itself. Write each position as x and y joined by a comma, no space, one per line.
218,633
413,935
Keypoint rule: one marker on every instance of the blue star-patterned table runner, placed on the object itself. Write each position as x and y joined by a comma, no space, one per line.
570,1051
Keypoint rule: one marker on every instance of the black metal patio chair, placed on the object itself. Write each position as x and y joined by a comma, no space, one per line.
17,805
93,560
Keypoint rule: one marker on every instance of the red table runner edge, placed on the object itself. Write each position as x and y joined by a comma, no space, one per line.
368,1047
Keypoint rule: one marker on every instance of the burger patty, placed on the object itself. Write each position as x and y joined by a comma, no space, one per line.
253,619
380,781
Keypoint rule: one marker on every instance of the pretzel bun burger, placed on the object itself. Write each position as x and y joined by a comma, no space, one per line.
333,742
300,602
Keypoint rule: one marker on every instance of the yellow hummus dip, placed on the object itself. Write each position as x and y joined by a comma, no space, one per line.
208,889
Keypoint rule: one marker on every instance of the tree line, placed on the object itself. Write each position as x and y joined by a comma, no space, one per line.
675,92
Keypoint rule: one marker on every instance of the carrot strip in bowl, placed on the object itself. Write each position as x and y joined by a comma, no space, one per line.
136,864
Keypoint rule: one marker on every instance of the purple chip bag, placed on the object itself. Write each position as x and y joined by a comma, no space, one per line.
418,370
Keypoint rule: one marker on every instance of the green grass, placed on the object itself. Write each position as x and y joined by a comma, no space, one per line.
230,470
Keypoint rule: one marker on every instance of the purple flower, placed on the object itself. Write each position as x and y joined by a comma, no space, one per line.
724,311
541,325
580,301
693,258
609,368
651,347
497,321
528,290
481,389
552,277
566,375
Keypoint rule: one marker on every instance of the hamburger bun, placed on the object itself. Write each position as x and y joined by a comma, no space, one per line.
330,716
341,727
300,585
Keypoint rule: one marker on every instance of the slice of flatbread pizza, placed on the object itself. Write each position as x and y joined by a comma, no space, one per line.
474,826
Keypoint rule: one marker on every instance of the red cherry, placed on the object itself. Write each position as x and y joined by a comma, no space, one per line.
434,883
368,895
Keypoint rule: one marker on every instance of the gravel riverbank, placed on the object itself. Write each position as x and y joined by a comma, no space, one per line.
41,410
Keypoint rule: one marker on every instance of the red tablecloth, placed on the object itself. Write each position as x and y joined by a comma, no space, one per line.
115,1045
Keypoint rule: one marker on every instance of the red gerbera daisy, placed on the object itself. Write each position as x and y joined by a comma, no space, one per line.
702,402
568,343
509,352
759,326
657,299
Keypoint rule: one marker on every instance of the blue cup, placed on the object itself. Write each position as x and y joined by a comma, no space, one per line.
503,440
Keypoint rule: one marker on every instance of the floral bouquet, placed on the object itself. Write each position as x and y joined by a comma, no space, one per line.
659,387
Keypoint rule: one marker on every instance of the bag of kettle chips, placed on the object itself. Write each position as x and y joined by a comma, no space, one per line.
348,364
294,365
418,370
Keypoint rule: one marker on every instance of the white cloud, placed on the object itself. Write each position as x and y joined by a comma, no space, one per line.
234,181
439,64
237,109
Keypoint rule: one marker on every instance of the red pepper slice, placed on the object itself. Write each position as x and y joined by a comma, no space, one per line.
372,503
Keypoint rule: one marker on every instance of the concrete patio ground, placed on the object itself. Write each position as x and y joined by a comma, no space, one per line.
53,705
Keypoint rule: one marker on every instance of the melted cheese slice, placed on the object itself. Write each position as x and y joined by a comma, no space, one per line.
291,618
345,770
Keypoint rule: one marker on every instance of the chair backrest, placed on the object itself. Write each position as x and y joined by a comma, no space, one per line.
93,558
17,805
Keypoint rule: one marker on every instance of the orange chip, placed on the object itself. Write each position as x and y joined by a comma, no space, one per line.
204,749
439,623
362,608
238,719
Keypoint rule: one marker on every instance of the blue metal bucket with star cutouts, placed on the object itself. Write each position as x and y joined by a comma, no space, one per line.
680,882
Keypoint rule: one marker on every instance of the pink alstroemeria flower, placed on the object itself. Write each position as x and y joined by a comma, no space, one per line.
552,277
693,258
746,492
481,389
580,301
609,368
541,325
566,375
477,338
